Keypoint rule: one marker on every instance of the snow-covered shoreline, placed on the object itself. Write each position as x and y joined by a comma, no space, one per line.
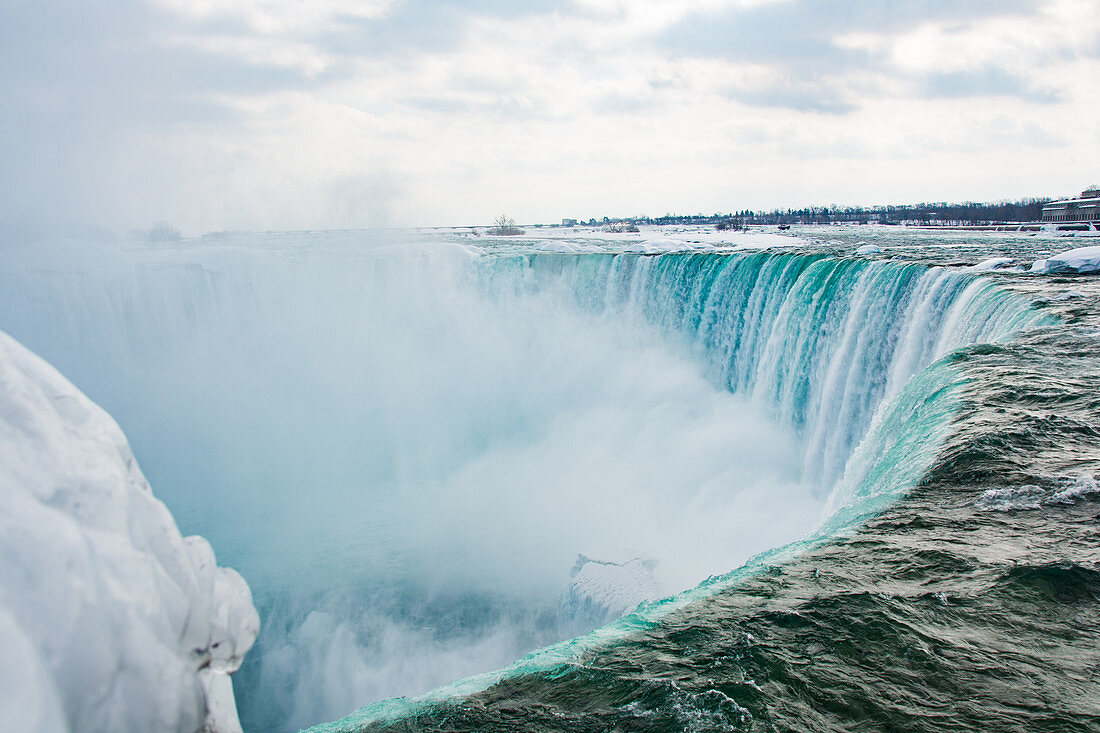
111,620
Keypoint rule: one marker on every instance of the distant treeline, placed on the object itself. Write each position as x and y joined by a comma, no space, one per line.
968,213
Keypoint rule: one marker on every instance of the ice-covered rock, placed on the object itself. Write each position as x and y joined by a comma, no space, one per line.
1081,261
869,249
28,696
110,619
608,583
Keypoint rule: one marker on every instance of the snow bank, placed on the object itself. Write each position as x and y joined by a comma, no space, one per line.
109,619
1083,261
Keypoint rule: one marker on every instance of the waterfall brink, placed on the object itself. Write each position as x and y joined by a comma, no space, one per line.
405,447
818,342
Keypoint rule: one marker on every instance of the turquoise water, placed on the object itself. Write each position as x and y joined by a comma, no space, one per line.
841,350
403,444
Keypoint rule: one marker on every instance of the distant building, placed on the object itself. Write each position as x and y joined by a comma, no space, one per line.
1085,209
569,222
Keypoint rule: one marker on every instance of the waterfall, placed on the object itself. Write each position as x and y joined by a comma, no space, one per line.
818,342
403,446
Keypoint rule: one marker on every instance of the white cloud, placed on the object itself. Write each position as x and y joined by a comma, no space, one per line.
280,17
334,113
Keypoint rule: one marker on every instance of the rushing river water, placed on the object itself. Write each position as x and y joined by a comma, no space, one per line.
858,492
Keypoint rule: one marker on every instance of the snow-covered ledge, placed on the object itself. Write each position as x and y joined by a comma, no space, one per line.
110,620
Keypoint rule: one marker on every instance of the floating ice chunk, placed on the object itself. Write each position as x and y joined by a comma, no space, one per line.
116,621
1082,261
869,249
607,584
994,263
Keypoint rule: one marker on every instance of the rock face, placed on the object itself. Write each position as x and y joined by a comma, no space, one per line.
109,618
605,585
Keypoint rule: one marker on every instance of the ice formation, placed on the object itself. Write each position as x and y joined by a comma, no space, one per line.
608,583
110,619
1081,261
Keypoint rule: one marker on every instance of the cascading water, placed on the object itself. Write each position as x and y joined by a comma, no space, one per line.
404,447
820,343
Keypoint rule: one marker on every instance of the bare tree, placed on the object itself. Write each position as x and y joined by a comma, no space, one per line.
505,226
162,231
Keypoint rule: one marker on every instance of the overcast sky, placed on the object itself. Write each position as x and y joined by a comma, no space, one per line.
216,114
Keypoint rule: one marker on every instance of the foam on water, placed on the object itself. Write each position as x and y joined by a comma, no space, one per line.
1030,496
